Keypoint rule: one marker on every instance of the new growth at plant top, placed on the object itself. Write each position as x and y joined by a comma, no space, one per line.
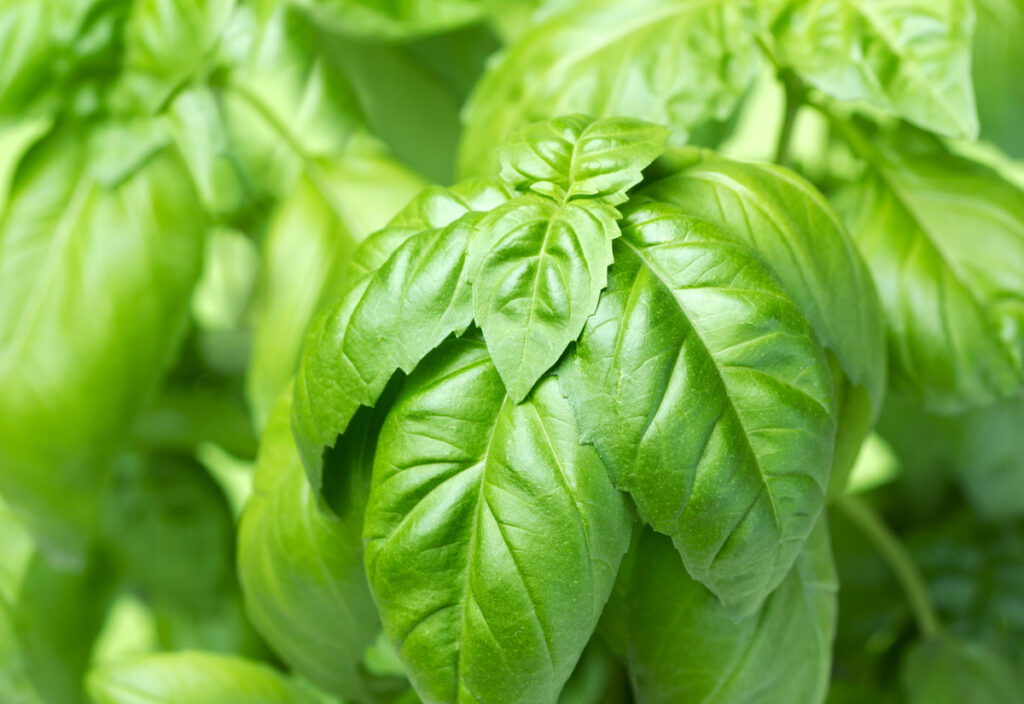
511,351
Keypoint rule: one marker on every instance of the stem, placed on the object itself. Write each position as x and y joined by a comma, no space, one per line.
898,559
794,99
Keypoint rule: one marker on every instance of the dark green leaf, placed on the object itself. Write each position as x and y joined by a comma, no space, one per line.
486,519
684,646
719,396
943,670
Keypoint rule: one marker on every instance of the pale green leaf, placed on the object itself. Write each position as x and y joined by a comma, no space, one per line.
909,57
192,678
943,670
678,63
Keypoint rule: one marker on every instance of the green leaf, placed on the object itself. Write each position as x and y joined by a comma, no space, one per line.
684,646
943,670
795,230
537,270
167,43
997,50
575,156
909,57
192,678
944,239
95,282
679,63
168,529
388,321
719,396
599,678
391,20
301,565
16,138
311,236
485,520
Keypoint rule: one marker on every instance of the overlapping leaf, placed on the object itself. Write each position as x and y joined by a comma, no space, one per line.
944,239
910,57
683,646
493,536
719,396
673,62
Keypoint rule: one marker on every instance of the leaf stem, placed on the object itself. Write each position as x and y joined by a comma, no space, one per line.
896,556
794,99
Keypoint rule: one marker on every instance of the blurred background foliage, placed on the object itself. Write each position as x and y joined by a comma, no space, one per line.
182,183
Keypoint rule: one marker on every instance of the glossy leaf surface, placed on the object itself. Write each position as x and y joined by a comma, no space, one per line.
492,536
720,398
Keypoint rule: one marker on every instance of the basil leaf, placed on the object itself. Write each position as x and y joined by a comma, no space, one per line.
167,44
719,396
943,670
311,236
386,322
537,270
655,60
574,156
944,239
394,20
997,49
485,519
684,646
195,678
301,565
909,57
94,289
795,230
434,207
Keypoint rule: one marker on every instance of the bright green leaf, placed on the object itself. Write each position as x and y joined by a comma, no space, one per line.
537,270
485,520
192,678
719,396
393,20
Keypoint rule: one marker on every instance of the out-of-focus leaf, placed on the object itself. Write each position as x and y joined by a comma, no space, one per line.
95,282
301,564
910,57
599,678
168,42
394,20
310,238
485,519
684,646
943,670
998,50
193,678
944,239
15,140
679,63
737,488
